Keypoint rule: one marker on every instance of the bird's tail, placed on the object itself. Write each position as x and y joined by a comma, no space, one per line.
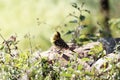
72,50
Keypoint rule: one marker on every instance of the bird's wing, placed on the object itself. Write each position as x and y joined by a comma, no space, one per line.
61,43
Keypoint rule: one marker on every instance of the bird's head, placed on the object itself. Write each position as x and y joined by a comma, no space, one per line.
56,36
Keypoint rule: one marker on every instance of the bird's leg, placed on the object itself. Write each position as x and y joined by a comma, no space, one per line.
59,51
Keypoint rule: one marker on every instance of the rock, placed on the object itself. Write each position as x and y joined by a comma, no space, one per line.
24,77
83,50
104,64
109,43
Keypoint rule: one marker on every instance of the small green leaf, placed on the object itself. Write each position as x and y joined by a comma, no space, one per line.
74,5
69,32
82,17
87,11
65,25
82,4
88,73
66,74
80,67
73,21
71,69
85,59
1,47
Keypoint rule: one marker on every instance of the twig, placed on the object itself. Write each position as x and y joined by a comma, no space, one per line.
6,44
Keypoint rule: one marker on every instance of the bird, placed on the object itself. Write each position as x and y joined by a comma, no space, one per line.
59,42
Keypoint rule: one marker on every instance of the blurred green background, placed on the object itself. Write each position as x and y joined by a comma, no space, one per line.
38,18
